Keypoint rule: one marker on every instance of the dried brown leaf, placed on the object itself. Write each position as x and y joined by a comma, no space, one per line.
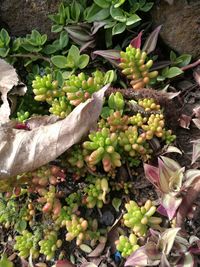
8,78
98,250
22,151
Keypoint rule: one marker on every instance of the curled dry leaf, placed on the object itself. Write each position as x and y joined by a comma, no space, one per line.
8,78
98,250
22,151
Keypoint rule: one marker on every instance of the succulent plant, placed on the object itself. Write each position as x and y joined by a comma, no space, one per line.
103,144
140,218
76,228
50,201
60,107
117,122
45,88
127,245
134,66
22,116
79,88
116,101
96,193
49,244
26,244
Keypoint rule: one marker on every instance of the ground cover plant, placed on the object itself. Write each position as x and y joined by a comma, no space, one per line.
113,191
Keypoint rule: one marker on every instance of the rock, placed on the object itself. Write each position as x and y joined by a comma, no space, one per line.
22,16
181,25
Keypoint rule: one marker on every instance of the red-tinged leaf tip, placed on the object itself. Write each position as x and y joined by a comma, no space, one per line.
64,263
22,126
162,211
108,54
151,41
171,204
152,174
184,121
136,42
138,257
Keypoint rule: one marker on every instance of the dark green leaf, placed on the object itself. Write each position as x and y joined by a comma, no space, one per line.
134,8
75,11
132,19
31,48
95,13
64,39
16,44
118,28
43,39
102,3
83,61
4,52
184,60
5,37
172,56
117,14
147,7
51,49
59,61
